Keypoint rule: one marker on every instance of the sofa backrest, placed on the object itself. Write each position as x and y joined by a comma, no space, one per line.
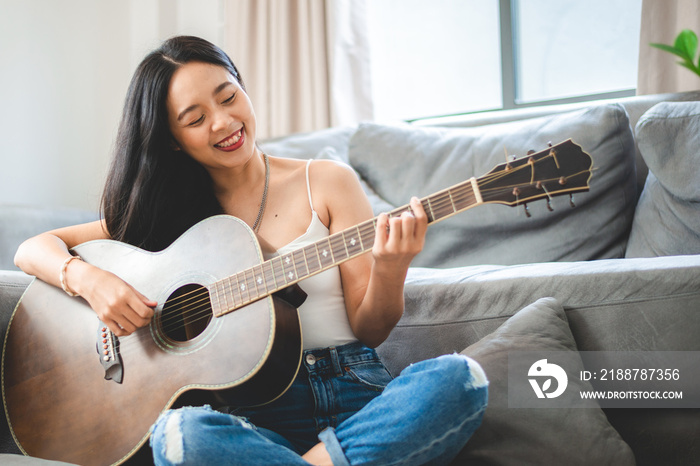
635,107
395,161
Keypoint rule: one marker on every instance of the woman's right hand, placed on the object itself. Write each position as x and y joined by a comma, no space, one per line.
122,308
119,305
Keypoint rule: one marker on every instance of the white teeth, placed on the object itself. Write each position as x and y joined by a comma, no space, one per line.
230,141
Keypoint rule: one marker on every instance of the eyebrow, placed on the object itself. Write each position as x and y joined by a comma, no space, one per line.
218,89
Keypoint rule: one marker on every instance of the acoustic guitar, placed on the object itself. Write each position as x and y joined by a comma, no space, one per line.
222,333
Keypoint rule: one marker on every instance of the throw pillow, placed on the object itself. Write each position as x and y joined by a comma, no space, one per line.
667,219
402,160
507,436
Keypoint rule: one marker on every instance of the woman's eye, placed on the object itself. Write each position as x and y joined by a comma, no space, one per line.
197,121
230,99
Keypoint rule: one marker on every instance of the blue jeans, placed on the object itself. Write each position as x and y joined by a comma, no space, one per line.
424,416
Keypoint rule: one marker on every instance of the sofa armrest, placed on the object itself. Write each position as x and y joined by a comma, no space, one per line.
12,286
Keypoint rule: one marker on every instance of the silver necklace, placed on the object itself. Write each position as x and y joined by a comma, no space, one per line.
263,202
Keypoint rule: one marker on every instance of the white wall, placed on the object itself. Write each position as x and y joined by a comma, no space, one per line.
65,66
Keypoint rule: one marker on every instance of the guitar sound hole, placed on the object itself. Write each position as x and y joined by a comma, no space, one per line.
186,313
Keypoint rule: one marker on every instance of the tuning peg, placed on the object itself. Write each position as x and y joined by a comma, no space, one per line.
541,186
571,200
527,211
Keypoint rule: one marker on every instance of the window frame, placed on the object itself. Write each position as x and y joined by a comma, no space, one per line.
509,76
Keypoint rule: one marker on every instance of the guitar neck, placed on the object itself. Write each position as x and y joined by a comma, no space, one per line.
260,281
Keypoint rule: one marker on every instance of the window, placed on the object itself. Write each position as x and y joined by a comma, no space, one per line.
569,48
434,58
448,57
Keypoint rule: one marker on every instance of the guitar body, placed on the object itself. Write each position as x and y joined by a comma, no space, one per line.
58,401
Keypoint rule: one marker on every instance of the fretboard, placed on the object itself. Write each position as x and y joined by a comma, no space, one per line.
275,274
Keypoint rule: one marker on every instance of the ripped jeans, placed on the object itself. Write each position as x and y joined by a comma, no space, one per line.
424,416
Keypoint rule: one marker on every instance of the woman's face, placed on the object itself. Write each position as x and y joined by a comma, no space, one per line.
210,116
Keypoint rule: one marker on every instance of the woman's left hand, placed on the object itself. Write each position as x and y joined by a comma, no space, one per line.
399,239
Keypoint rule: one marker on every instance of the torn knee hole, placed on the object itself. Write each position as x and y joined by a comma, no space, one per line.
172,433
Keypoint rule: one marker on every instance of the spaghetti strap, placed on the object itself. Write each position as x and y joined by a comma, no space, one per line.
308,185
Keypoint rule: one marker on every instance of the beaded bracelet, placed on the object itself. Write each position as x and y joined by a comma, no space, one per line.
62,276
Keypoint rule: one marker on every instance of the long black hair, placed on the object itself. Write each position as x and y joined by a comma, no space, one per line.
154,192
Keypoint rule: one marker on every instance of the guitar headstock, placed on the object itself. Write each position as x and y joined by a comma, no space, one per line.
560,169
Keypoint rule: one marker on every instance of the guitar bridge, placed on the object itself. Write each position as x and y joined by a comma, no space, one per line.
107,346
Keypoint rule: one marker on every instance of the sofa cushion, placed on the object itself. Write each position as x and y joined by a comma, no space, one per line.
667,218
643,304
401,160
572,436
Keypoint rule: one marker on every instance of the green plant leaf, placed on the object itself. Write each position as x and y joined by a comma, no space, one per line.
670,49
685,47
687,42
691,67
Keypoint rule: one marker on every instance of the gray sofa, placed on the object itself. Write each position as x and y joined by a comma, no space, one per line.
618,273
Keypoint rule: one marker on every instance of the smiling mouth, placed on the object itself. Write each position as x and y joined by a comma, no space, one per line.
231,140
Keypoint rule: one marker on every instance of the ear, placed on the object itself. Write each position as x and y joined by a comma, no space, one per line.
175,146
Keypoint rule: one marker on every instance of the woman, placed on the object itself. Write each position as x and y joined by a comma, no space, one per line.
186,150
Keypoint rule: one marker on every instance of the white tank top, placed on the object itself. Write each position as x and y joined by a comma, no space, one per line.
324,319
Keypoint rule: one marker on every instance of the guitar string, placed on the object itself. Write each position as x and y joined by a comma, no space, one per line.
298,263
257,295
198,301
365,231
456,196
433,205
437,204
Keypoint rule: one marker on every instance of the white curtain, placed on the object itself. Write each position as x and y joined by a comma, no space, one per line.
662,20
304,62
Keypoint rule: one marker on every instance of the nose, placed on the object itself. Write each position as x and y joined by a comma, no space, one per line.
221,121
